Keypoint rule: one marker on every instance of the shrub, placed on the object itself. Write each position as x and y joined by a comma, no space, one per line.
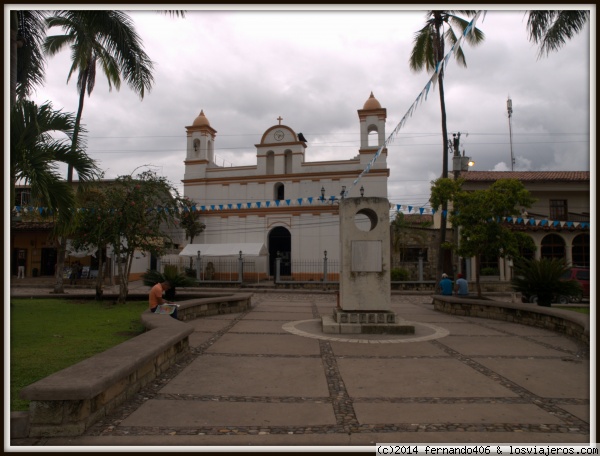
151,277
489,271
542,278
399,274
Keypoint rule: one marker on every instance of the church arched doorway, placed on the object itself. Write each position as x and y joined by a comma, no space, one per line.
280,244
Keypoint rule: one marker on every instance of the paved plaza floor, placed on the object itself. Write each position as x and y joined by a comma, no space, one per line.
269,376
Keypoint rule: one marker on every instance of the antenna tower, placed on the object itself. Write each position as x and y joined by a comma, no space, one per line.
509,109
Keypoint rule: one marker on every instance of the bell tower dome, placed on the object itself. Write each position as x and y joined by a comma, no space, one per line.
372,119
200,140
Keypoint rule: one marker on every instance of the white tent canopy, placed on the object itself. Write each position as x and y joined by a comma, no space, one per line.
72,252
252,249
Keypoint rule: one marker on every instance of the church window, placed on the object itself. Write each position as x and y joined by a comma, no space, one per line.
211,152
287,164
373,138
197,146
270,162
279,191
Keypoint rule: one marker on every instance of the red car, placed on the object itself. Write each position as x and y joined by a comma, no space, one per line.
582,275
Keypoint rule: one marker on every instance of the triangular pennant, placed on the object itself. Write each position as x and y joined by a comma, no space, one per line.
300,201
249,205
421,210
258,204
239,205
277,203
212,207
230,206
203,208
288,202
268,203
398,206
310,199
409,209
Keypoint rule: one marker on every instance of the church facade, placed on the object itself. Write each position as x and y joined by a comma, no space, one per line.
285,201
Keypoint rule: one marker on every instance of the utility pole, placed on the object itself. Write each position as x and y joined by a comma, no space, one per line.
510,110
455,144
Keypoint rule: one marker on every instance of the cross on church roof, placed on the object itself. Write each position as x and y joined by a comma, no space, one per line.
280,119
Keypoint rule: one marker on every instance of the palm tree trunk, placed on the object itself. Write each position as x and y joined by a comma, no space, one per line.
77,124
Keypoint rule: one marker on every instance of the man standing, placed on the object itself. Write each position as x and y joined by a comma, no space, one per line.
155,297
461,288
21,266
445,285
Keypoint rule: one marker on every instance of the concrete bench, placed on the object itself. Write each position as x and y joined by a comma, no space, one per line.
68,402
567,322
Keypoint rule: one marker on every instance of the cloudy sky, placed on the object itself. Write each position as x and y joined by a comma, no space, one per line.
316,68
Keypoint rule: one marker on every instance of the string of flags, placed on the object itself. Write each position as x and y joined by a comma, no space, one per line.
422,96
290,202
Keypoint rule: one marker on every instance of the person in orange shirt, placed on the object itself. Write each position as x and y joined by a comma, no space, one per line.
155,297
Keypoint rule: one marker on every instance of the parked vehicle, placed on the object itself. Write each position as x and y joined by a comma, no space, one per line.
581,275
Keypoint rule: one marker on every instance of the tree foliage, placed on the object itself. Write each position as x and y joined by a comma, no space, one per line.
131,215
100,39
552,29
478,215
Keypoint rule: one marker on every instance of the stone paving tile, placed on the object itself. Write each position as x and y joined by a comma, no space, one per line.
198,414
212,325
557,378
416,377
258,326
369,413
281,316
348,350
468,328
253,376
264,344
498,345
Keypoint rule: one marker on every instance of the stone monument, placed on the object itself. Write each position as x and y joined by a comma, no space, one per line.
365,263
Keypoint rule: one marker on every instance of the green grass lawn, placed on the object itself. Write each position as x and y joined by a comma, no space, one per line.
47,335
583,310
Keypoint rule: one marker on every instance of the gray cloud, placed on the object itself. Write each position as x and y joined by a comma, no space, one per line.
316,69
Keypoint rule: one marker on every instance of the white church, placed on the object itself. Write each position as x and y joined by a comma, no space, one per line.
284,205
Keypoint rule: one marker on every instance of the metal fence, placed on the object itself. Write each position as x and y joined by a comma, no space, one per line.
307,271
214,269
254,270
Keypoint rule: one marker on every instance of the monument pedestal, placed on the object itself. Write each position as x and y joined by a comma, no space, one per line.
364,322
364,301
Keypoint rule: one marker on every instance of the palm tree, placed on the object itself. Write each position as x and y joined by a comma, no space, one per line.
100,38
35,153
34,158
551,29
428,51
543,280
27,61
